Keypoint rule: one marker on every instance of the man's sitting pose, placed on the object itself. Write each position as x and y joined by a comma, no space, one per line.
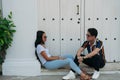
95,57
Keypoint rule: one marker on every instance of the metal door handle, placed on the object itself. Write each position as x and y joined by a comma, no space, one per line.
77,9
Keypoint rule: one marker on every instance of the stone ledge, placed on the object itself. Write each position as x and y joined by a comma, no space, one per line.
109,68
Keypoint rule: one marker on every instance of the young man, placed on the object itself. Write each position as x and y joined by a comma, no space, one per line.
95,57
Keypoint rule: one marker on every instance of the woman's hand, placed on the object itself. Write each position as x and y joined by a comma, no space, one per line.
55,57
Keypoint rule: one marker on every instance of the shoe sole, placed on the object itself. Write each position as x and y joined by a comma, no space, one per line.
69,79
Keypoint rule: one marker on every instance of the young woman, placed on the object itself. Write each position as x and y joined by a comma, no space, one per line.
55,62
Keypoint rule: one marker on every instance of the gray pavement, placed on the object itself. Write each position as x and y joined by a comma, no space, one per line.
57,77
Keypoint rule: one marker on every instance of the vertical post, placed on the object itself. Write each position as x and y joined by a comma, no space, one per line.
82,20
20,59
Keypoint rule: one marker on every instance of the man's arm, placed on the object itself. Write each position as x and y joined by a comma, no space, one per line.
99,46
80,51
94,52
82,48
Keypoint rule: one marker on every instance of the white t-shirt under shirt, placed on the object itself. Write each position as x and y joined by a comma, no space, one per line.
39,49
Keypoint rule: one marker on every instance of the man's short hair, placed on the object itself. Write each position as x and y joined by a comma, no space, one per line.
93,32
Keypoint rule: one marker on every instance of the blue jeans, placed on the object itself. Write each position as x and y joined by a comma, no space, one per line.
55,64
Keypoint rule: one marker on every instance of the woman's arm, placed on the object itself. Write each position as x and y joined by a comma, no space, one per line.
49,58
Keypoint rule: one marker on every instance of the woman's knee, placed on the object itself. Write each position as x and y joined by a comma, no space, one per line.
68,60
68,56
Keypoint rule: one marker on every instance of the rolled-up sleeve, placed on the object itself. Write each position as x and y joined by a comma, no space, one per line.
85,44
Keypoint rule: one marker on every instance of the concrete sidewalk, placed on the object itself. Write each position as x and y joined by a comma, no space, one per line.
110,72
115,76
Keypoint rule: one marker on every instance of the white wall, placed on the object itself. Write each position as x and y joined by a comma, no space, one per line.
20,58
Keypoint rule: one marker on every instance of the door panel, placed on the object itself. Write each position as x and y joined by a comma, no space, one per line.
70,26
94,19
49,22
105,20
115,38
111,29
114,13
88,14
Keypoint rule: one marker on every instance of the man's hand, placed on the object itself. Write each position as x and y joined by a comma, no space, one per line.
80,59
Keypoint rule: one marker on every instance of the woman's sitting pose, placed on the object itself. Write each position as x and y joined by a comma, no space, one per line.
55,62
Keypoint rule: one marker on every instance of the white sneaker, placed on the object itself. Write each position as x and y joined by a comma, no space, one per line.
96,75
70,75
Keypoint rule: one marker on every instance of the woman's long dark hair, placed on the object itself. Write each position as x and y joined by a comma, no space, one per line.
39,38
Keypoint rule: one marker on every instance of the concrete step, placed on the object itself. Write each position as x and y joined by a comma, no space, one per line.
109,68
